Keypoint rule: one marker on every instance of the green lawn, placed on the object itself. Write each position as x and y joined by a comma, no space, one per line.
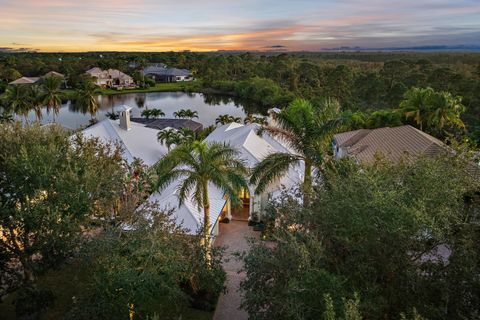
159,87
66,283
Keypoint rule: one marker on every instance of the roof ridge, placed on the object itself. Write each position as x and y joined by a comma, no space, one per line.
111,129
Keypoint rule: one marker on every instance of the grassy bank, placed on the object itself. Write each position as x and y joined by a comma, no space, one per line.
159,87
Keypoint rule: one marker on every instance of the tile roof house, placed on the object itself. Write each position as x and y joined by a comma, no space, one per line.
395,144
36,80
25,80
111,78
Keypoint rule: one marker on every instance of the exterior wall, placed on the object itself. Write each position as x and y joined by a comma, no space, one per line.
338,152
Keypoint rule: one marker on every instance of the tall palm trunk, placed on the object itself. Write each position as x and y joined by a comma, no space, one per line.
307,182
206,221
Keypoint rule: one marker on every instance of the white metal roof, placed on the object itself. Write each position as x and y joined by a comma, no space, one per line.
254,148
188,214
139,142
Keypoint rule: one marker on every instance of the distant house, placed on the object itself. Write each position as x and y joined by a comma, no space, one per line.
395,144
111,78
38,80
161,73
25,80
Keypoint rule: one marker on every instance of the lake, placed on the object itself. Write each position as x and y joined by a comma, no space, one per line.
209,107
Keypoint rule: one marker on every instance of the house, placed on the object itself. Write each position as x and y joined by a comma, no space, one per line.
111,78
38,80
252,148
25,80
395,144
161,73
139,140
136,140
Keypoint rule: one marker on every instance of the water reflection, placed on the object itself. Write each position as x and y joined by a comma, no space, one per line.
209,107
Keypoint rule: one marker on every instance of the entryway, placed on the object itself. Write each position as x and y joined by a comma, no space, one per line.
242,212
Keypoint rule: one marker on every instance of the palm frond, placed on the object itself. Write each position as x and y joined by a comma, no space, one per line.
271,168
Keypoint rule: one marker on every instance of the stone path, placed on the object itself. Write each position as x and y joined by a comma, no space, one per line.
232,236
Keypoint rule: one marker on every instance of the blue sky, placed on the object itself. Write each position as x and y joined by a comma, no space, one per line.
149,25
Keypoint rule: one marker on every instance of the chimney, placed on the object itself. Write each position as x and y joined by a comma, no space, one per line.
125,123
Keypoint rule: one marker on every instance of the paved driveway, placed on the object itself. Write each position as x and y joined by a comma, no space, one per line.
232,236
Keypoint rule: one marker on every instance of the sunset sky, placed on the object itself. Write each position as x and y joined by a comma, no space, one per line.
204,25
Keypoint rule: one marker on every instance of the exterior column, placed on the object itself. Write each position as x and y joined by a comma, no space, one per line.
252,208
229,210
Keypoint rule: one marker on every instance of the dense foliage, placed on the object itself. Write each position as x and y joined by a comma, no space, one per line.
152,268
403,237
359,81
50,188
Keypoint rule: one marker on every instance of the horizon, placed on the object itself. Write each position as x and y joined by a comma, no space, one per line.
276,26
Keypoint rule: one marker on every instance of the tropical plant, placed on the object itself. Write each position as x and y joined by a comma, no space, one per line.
17,100
446,111
250,118
169,137
308,131
196,166
226,118
6,117
185,114
403,233
112,115
153,113
36,98
51,95
85,98
52,184
431,110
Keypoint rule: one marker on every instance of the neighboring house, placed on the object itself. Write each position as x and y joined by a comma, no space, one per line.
25,80
111,78
161,73
38,80
395,144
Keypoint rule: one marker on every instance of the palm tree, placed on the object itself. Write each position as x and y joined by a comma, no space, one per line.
432,110
308,131
17,100
190,114
185,114
6,117
169,137
415,105
250,118
112,115
179,114
51,95
36,99
153,113
157,113
445,111
196,166
226,118
86,101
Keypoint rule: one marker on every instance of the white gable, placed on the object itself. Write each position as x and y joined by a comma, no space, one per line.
139,142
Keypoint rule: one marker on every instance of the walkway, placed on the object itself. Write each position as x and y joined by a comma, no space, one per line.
232,236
